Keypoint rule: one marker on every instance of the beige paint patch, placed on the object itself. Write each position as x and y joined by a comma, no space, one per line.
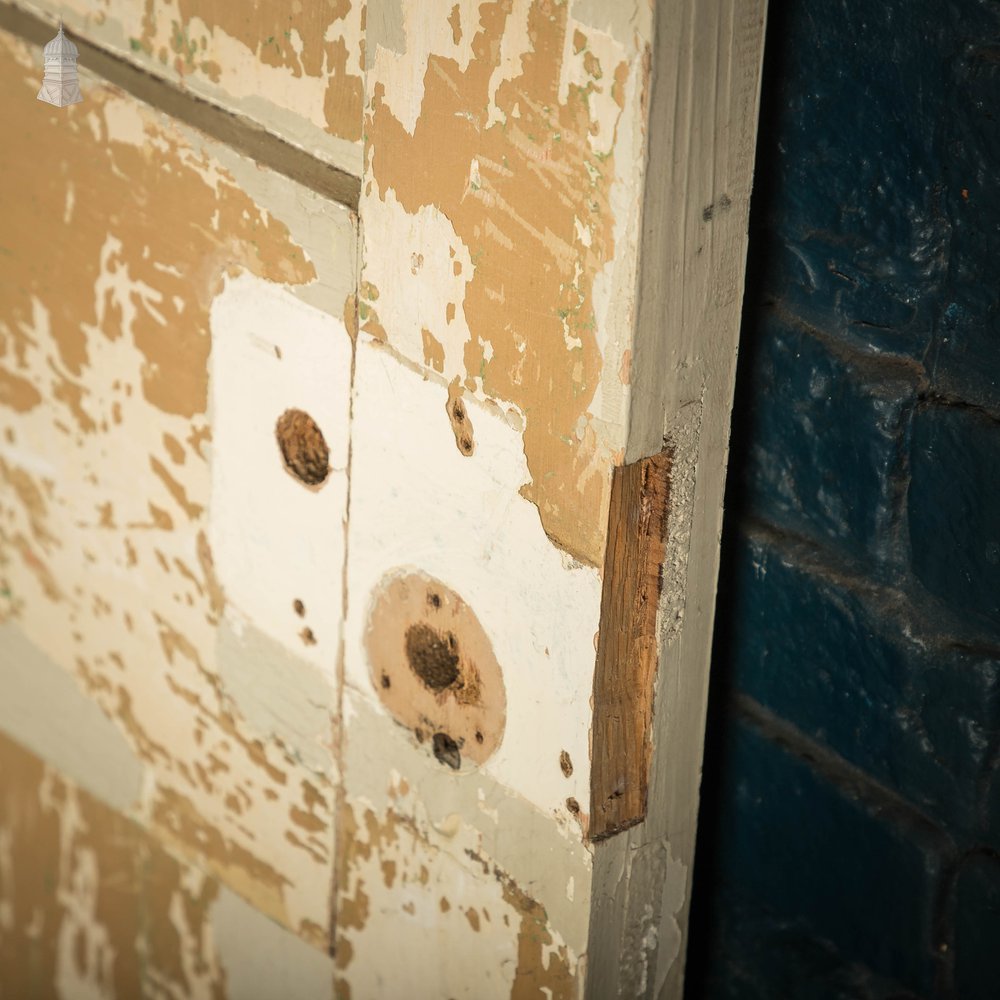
525,164
104,524
433,351
294,68
44,709
90,904
280,697
434,669
261,960
423,851
17,393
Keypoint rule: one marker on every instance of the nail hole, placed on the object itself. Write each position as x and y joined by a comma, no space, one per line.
479,736
565,763
386,683
573,806
298,607
306,635
303,447
434,600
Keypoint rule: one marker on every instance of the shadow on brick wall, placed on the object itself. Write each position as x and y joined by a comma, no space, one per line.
849,836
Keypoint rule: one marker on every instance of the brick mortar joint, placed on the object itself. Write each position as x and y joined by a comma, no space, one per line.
848,778
901,605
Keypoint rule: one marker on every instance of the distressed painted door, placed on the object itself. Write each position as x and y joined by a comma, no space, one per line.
365,374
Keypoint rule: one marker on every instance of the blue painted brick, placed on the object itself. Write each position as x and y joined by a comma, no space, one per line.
792,844
824,439
989,820
963,362
852,166
761,956
954,511
977,928
826,657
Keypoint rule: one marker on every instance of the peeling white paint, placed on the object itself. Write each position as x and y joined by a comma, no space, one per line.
274,540
474,532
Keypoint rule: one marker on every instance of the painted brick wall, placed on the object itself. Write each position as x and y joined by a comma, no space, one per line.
851,829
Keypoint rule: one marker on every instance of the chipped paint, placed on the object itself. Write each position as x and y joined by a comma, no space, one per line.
108,527
421,849
45,709
247,435
523,224
93,906
294,68
476,533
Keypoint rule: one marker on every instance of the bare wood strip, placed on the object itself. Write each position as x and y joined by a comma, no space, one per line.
243,135
628,647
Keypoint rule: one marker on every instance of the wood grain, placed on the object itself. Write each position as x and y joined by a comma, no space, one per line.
628,645
705,85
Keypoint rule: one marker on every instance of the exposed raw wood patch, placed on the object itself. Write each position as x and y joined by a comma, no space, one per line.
627,649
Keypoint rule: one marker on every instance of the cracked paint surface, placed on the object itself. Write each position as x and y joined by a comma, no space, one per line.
125,240
92,905
506,261
470,387
441,866
296,67
499,208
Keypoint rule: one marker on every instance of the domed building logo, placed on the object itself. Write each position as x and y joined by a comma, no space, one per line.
60,85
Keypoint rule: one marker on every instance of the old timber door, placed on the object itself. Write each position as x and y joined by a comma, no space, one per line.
365,377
